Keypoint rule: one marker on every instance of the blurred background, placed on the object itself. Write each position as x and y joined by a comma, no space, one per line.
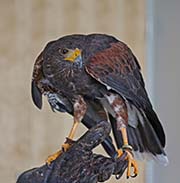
150,27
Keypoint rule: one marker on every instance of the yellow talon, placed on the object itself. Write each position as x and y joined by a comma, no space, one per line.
52,157
65,147
120,152
131,163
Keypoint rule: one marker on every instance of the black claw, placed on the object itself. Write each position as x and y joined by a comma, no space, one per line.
133,176
63,150
69,141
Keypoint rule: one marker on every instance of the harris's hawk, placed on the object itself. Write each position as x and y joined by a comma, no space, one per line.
96,72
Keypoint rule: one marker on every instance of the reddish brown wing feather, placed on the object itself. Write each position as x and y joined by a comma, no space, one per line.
118,68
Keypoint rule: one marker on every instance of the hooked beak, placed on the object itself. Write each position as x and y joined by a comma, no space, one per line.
74,56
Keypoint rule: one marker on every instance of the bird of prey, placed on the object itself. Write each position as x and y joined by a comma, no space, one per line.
95,111
97,77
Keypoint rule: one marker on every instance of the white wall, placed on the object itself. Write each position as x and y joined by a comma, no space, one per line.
166,65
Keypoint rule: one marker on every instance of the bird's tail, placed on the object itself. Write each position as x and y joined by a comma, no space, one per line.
145,135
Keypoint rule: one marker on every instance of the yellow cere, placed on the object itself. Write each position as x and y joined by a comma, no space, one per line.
73,55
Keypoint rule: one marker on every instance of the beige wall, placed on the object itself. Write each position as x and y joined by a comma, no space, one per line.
27,135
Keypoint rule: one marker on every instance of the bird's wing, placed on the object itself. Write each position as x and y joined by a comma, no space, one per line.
117,68
40,85
36,93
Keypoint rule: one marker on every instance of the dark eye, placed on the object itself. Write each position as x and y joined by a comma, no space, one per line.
64,51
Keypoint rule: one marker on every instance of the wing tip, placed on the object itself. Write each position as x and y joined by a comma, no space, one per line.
36,95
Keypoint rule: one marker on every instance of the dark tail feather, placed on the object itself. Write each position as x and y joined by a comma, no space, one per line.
153,119
142,138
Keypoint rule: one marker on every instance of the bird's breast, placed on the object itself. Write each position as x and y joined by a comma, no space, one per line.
72,81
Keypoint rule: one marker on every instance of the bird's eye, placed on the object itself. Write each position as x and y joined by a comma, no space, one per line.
64,51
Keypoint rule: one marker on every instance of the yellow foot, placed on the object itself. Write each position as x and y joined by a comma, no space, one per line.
65,147
131,162
52,157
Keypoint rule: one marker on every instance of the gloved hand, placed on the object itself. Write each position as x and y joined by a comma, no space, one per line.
79,164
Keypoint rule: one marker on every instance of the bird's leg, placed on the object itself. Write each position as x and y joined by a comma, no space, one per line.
79,111
70,137
52,157
128,149
119,107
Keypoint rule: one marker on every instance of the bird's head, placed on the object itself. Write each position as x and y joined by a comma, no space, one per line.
64,52
72,55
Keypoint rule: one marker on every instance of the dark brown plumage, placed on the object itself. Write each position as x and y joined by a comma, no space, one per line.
99,69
